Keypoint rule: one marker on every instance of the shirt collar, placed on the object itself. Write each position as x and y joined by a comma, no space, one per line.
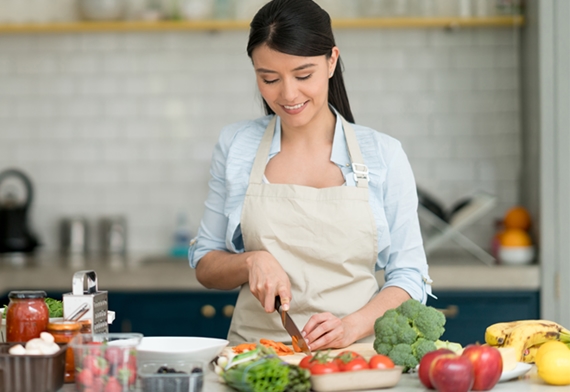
339,153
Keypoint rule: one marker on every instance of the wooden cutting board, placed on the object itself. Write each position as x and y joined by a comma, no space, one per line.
364,349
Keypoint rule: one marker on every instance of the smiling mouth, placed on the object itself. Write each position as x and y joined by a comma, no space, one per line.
294,107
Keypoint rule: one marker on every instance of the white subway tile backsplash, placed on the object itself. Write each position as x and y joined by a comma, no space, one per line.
77,63
126,122
474,58
35,63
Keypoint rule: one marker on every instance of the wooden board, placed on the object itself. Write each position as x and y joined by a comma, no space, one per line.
364,349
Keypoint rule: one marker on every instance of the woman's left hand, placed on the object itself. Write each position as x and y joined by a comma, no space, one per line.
324,330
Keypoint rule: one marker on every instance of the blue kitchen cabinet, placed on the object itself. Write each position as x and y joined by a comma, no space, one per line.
469,313
188,313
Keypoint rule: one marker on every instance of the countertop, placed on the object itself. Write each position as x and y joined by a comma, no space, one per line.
51,271
408,383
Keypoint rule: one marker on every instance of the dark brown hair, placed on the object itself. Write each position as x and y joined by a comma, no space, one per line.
299,28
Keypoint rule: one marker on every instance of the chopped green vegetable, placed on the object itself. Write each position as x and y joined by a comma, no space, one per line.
261,370
408,332
55,308
455,347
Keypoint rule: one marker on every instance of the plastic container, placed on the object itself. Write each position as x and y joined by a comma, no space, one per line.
27,315
31,373
64,332
102,359
153,377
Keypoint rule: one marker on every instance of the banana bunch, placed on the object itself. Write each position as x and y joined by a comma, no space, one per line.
525,336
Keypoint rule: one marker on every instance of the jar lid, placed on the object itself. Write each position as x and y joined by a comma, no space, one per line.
64,326
27,294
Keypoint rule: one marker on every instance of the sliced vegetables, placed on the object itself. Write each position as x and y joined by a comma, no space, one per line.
261,370
279,348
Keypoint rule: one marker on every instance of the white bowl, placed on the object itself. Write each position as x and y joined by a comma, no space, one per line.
189,348
516,255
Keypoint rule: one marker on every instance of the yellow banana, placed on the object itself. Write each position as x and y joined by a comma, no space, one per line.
530,353
496,334
526,335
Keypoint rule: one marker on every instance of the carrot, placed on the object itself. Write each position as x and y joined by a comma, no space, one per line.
240,348
279,347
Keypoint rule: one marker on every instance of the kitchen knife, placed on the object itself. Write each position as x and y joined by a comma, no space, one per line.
291,328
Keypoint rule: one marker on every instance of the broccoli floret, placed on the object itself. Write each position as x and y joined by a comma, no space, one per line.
421,347
394,328
429,323
410,308
382,348
402,355
408,331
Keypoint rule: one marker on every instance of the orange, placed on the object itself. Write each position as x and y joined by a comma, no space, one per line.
517,218
515,237
554,367
551,345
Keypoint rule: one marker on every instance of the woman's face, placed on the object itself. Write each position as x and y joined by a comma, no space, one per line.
295,87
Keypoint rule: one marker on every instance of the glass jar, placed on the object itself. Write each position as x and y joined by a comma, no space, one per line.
63,332
27,315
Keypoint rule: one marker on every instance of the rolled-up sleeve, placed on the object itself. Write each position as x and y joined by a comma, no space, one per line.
212,231
406,266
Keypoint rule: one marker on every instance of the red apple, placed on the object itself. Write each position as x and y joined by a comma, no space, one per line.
487,365
452,373
425,364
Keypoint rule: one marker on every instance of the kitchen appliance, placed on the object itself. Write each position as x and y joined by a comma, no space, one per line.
113,235
292,329
74,235
85,291
16,195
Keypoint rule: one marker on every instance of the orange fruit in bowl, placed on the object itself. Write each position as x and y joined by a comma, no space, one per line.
517,218
515,237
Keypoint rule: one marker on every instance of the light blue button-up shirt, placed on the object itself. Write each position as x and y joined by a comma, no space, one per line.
393,198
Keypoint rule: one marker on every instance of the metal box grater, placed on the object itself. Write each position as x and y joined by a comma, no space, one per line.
85,292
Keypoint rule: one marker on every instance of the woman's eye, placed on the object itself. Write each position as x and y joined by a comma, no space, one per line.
304,77
269,81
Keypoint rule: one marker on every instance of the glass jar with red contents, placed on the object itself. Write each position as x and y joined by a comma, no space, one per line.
27,315
63,332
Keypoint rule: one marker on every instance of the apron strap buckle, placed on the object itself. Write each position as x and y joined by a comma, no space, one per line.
360,172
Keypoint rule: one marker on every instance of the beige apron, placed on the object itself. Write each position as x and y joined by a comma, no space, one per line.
325,240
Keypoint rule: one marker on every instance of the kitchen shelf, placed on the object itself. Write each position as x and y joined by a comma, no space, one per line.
217,25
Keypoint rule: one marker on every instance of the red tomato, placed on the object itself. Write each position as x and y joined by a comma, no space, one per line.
355,364
349,361
307,362
324,368
380,361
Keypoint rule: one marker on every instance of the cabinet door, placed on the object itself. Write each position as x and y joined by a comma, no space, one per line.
206,314
469,313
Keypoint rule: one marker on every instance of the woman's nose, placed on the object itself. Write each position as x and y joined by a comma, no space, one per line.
289,90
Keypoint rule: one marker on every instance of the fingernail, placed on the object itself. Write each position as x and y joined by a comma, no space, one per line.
285,307
304,333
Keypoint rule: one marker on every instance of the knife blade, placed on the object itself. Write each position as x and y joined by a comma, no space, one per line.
291,328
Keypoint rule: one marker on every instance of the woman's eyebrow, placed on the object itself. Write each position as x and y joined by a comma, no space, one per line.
299,68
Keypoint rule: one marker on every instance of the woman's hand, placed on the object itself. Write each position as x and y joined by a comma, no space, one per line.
325,330
267,279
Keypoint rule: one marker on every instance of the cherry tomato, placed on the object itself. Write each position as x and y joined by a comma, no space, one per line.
349,361
380,361
307,362
324,368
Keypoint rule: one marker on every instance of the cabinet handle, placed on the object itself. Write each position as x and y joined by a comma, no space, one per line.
228,311
208,311
450,312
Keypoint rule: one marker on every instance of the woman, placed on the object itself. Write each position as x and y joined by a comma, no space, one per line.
304,205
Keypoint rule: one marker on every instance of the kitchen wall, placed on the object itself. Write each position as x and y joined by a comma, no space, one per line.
109,123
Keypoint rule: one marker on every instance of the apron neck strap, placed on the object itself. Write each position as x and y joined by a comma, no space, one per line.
360,170
260,162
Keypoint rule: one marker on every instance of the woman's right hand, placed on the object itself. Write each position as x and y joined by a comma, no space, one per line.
267,279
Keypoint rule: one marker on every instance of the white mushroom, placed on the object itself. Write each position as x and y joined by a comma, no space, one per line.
18,349
47,337
34,344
